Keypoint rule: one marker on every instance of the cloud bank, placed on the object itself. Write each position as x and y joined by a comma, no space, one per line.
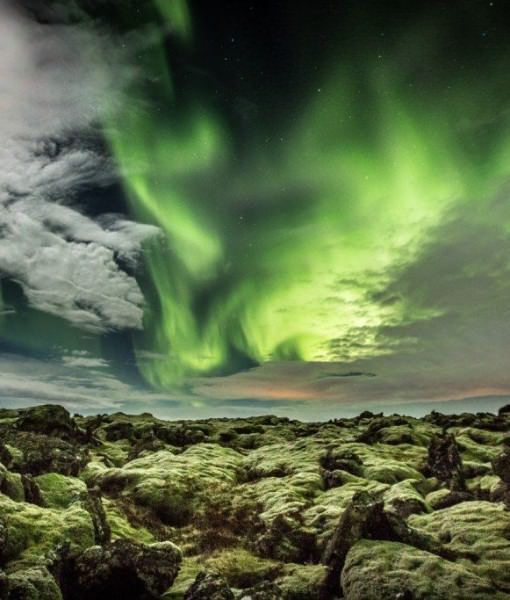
50,99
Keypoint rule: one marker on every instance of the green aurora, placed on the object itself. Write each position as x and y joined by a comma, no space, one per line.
279,252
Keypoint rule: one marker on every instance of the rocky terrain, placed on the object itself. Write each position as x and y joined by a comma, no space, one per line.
132,507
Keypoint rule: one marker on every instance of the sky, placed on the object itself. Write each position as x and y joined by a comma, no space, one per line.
237,208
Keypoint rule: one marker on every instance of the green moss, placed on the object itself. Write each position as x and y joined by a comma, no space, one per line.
60,491
323,516
33,532
12,486
478,533
403,434
302,582
170,484
190,568
383,570
112,453
242,569
484,486
33,584
389,471
404,498
435,498
121,528
473,450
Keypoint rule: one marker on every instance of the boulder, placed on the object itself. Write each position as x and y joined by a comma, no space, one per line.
48,419
209,586
32,584
384,570
122,570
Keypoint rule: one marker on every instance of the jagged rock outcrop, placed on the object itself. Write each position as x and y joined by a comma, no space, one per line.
445,462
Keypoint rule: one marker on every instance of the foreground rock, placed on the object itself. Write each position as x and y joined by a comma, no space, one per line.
118,506
390,571
123,570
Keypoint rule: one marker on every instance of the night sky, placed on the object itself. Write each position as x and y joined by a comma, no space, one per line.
231,208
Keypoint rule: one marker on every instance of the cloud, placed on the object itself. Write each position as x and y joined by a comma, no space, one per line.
50,100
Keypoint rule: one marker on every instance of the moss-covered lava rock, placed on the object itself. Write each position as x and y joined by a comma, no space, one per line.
263,508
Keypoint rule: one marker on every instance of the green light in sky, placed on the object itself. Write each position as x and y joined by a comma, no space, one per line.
278,255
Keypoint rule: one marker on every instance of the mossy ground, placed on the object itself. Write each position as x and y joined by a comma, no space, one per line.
258,500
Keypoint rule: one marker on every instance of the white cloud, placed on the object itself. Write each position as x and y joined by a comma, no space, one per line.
51,88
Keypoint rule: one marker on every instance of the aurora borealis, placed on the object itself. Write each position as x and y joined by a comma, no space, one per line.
257,202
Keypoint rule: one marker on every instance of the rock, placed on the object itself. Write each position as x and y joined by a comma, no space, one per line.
48,419
353,525
31,533
376,570
372,433
92,503
476,534
32,584
365,517
450,499
38,453
287,540
264,591
31,490
242,569
4,585
444,461
298,582
260,503
123,570
209,586
60,491
501,467
4,539
343,460
119,430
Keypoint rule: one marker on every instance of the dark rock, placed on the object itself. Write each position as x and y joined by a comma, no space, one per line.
501,467
353,525
4,586
405,595
6,457
123,570
93,504
119,430
263,591
444,461
371,435
405,507
179,436
146,444
44,454
333,479
31,490
475,470
365,518
209,586
343,460
455,497
287,540
4,532
504,410
48,419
